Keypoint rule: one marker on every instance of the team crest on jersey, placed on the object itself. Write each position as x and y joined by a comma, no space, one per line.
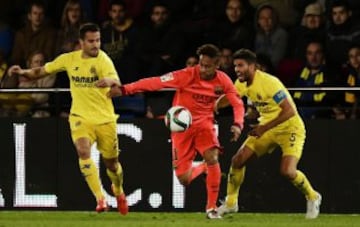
93,70
218,90
258,96
166,77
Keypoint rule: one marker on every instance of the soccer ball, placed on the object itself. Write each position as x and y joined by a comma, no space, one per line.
178,119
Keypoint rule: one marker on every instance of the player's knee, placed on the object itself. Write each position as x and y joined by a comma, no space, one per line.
83,148
184,180
211,157
83,152
288,172
238,161
111,164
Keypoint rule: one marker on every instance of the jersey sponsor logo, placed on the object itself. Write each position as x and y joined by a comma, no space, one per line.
93,70
218,90
279,96
84,79
205,99
166,77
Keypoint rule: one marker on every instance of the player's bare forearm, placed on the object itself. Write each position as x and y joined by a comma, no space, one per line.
287,111
33,73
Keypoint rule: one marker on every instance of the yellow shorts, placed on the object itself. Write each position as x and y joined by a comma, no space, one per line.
289,135
105,135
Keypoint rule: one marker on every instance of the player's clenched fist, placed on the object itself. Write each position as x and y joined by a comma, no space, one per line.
115,91
15,70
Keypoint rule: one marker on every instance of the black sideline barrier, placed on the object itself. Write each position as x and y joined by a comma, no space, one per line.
39,169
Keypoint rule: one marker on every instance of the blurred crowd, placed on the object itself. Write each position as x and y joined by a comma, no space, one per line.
304,43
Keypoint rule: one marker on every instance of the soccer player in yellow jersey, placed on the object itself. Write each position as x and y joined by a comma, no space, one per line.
92,117
279,125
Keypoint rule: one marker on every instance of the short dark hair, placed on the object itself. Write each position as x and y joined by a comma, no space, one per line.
340,3
245,54
209,50
117,3
37,3
88,27
318,42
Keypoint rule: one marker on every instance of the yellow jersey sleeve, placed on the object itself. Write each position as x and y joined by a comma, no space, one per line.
57,65
277,91
107,68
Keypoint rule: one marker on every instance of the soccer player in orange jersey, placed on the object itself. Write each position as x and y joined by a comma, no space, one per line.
197,89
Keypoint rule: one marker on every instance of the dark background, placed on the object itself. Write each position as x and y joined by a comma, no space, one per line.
330,160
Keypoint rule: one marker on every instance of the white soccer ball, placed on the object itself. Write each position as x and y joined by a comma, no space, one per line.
178,119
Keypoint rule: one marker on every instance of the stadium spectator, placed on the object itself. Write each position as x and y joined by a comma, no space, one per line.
271,38
279,126
226,62
159,42
39,101
197,89
36,35
159,46
315,104
71,19
191,61
341,34
287,10
264,63
353,80
312,28
117,35
92,115
235,29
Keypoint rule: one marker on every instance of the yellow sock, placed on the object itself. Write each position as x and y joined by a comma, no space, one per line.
235,179
117,180
303,184
91,175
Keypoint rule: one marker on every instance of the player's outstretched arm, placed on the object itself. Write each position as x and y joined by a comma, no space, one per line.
33,73
107,82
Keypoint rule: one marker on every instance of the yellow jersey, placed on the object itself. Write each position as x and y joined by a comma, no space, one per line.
266,93
88,101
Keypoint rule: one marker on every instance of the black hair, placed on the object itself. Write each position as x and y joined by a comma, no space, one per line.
209,50
245,54
37,3
340,3
117,3
88,27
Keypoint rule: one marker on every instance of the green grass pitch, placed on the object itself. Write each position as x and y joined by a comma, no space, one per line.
162,219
